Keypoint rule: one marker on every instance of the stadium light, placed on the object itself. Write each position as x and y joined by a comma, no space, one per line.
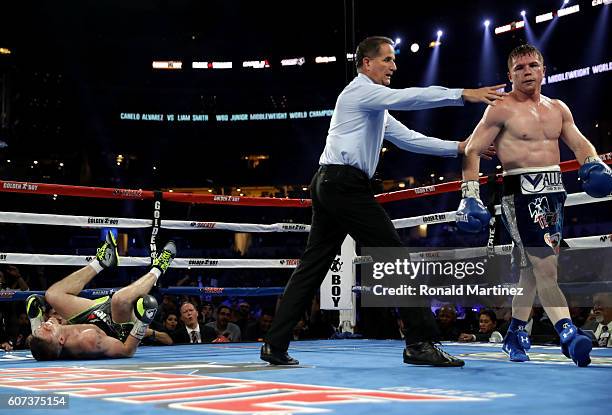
325,59
256,64
293,61
568,10
544,17
167,65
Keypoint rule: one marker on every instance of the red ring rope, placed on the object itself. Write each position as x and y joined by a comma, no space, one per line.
132,194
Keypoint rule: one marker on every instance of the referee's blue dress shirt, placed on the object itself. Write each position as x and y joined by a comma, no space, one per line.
361,121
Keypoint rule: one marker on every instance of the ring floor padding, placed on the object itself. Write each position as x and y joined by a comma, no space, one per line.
335,377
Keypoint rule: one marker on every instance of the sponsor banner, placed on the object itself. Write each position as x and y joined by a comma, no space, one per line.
96,221
76,260
542,182
128,193
606,238
289,262
43,259
427,254
336,289
68,220
442,217
203,262
293,227
221,198
236,227
205,394
7,294
424,189
22,186
232,263
435,218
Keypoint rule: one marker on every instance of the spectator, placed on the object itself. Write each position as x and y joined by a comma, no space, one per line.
11,279
161,333
192,331
446,316
487,323
170,323
6,343
168,306
24,330
578,314
243,314
319,324
600,320
257,330
504,315
206,312
300,329
226,330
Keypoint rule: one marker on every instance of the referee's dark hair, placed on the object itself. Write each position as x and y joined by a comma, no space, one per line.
369,48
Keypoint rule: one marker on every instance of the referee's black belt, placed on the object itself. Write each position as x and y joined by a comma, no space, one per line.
344,170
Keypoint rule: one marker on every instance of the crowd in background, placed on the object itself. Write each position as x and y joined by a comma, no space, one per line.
222,319
199,319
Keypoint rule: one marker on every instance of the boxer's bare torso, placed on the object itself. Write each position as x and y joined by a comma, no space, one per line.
84,341
530,131
525,126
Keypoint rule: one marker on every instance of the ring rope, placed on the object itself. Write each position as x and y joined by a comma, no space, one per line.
596,241
583,242
10,295
573,199
81,260
566,166
138,194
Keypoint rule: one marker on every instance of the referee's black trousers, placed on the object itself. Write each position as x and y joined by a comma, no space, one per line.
342,203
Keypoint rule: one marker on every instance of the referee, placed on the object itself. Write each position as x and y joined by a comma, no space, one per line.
342,196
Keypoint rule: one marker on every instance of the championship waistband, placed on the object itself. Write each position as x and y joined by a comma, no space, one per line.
533,180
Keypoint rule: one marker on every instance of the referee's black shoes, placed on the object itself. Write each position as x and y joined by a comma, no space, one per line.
429,354
276,356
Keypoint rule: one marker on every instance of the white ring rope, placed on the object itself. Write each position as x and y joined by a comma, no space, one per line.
597,241
238,227
80,260
583,242
573,199
69,220
105,222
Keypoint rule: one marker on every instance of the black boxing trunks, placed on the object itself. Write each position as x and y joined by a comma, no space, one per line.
532,211
100,315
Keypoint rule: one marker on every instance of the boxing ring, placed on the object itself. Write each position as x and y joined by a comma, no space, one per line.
344,376
339,376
